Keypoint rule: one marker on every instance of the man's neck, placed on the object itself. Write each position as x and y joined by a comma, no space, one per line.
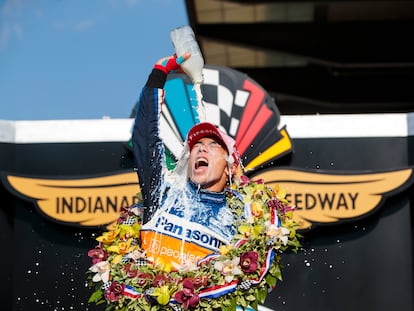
203,188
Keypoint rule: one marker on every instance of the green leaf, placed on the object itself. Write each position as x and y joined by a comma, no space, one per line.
254,304
242,302
96,296
262,294
251,298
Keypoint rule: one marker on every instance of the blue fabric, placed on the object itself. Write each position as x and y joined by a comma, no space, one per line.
210,208
148,148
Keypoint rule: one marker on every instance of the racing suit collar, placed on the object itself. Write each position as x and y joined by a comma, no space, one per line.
206,194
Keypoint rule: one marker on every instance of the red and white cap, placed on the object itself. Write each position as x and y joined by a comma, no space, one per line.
206,129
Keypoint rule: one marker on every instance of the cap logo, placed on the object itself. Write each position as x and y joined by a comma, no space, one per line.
201,132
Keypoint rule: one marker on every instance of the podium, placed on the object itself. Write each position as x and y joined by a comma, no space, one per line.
354,262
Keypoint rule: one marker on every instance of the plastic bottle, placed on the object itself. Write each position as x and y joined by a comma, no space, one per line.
183,39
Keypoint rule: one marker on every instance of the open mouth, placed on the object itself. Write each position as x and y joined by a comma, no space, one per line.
200,163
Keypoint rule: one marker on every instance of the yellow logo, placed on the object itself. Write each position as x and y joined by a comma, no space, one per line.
322,198
319,198
88,202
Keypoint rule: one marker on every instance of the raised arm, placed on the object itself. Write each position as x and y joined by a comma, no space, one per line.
147,143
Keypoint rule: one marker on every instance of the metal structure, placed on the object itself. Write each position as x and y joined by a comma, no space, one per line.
315,56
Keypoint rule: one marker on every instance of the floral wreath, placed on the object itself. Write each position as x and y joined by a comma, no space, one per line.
241,274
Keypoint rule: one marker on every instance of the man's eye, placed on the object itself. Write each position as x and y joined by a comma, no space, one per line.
214,144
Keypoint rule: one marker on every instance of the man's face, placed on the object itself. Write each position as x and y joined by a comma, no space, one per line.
208,164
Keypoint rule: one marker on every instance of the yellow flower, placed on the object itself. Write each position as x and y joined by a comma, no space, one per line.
122,247
257,229
257,209
272,191
162,265
258,191
116,259
225,249
280,194
249,231
245,230
108,237
162,294
127,231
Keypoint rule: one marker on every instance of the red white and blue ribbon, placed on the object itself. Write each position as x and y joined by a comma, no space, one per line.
207,258
218,290
130,292
266,266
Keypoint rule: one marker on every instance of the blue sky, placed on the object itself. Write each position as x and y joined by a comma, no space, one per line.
80,59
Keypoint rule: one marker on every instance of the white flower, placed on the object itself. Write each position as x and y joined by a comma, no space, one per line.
102,271
279,233
250,219
186,266
229,268
135,255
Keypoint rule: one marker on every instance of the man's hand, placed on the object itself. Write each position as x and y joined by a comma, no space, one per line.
171,63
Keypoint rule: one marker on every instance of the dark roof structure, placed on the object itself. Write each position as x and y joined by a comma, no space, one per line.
321,56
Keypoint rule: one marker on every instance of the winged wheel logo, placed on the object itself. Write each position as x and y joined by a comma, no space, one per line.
319,198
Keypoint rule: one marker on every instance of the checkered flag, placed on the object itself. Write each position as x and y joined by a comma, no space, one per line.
224,99
129,221
245,285
106,285
175,307
234,102
142,262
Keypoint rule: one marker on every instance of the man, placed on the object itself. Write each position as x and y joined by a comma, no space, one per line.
183,221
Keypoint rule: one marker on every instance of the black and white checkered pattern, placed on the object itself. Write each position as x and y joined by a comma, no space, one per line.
224,98
175,307
129,221
226,95
245,285
142,262
106,285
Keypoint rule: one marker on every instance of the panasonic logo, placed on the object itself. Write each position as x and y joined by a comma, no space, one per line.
206,240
